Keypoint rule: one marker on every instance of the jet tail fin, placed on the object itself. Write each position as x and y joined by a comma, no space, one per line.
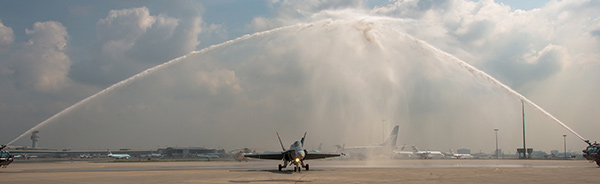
392,139
340,148
302,141
415,149
283,148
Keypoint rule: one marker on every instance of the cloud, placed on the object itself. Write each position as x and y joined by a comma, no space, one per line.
498,39
42,63
34,78
126,24
289,12
215,81
131,40
7,37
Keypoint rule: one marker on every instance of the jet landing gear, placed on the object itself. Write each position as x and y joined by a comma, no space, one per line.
305,166
297,168
285,163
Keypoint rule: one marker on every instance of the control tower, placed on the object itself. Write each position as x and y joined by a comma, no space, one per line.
34,138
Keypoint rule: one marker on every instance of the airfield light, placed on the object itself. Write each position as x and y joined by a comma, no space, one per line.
297,160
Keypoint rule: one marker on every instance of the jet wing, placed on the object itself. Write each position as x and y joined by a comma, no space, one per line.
318,155
269,155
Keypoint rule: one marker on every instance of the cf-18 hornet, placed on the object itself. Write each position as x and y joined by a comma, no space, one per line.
293,156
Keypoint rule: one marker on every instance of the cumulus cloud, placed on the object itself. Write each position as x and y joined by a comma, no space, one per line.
131,40
215,81
42,63
289,12
124,25
34,78
501,40
6,37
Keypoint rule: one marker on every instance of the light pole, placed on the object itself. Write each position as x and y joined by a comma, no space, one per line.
565,136
496,130
524,147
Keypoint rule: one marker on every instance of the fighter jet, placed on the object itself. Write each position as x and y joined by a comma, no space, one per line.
293,156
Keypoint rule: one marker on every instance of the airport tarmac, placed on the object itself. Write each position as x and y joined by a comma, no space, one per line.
322,171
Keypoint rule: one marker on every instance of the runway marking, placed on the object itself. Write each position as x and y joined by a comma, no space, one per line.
273,180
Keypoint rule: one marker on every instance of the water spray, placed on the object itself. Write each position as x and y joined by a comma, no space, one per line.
443,55
485,76
147,72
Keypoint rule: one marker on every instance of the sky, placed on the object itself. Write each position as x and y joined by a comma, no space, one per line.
354,68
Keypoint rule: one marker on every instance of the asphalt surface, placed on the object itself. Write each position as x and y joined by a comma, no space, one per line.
321,171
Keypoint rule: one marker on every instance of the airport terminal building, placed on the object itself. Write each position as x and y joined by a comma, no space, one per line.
186,152
169,152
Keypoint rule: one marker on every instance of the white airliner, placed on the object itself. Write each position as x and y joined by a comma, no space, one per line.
118,156
208,156
362,152
460,156
427,154
404,154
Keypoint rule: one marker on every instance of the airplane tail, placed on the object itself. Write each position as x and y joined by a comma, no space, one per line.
282,147
415,149
340,148
302,141
391,141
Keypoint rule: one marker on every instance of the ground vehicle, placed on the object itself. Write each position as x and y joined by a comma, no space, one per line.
592,152
5,157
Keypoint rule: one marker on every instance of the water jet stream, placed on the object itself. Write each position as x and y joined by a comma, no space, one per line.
150,71
441,54
471,69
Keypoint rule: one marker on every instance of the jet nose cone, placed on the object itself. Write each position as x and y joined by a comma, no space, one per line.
300,154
